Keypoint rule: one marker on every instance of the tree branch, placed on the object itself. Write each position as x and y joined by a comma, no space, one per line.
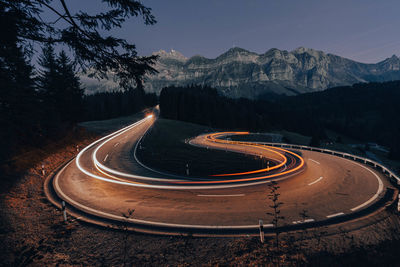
54,10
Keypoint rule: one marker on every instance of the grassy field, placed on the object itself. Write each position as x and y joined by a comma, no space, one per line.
164,148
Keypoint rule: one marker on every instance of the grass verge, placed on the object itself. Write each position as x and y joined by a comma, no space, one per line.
164,149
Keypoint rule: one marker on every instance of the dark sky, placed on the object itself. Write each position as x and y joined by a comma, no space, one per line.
363,30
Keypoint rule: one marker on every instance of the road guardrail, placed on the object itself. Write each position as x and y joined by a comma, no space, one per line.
392,176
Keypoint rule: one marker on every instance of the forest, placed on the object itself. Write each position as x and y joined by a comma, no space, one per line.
41,97
107,105
51,101
368,112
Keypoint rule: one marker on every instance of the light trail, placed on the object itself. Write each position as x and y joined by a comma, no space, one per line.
283,162
90,162
123,174
301,165
213,139
118,177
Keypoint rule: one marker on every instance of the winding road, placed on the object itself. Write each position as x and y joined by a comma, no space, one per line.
106,179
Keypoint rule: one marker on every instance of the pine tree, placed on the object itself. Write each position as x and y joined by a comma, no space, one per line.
18,98
32,109
60,89
85,34
69,94
48,83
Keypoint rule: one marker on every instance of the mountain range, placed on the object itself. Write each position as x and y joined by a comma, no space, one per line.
241,73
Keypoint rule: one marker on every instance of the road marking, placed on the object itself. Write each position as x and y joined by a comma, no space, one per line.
268,225
112,216
116,144
316,181
105,158
237,195
303,221
380,189
314,161
335,215
111,136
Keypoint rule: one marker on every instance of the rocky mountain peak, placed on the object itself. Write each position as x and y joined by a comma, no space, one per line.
238,54
242,73
393,59
234,52
392,63
272,51
301,50
173,54
309,51
237,50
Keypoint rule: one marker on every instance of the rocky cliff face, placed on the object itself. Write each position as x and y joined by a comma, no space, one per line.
240,73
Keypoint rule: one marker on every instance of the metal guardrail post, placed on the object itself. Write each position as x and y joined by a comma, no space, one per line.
262,235
64,211
187,169
398,203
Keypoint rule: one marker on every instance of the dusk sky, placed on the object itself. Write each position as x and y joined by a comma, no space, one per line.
363,30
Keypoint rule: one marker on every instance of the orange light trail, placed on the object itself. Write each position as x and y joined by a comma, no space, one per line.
212,137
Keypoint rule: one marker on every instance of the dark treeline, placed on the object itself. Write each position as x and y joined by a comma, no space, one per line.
203,105
44,101
108,105
59,93
367,112
36,104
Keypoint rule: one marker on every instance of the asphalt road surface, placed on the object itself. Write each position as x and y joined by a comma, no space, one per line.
106,180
